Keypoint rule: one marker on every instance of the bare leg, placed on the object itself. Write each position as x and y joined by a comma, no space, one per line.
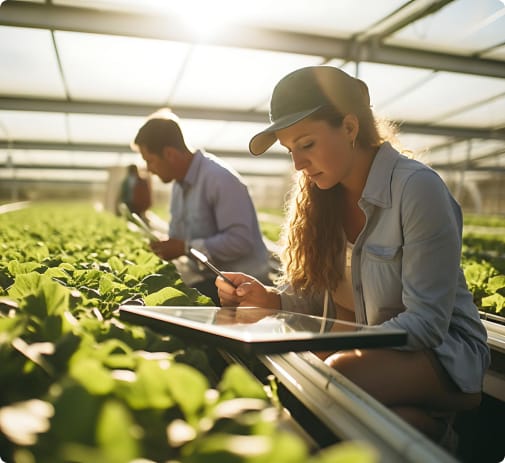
413,384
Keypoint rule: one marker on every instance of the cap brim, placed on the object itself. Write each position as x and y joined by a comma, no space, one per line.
266,138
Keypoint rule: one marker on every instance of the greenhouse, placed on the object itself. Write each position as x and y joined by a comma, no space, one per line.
109,353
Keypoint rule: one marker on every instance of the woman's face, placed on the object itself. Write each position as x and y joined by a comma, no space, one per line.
322,152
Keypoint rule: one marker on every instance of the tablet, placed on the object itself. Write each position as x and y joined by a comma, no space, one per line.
260,331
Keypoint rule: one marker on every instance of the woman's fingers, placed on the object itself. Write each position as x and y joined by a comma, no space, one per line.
249,292
236,278
228,295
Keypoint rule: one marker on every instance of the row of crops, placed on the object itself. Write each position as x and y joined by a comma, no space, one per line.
483,261
78,385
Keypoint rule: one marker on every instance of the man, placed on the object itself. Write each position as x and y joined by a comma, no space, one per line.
210,208
135,192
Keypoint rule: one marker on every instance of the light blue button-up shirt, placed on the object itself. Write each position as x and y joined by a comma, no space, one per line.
211,209
406,269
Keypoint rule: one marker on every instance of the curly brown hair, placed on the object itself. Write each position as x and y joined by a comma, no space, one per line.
313,237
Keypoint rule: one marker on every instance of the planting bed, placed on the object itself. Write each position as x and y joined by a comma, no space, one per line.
78,385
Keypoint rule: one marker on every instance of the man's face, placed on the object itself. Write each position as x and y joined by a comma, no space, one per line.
159,165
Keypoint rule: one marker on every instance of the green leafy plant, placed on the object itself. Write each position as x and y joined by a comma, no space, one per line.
78,385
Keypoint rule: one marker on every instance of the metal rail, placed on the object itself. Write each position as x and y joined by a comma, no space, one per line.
349,412
495,335
494,380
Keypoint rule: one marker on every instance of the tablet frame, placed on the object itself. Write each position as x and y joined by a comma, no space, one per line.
169,320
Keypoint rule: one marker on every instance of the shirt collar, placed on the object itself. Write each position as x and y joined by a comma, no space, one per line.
194,168
378,184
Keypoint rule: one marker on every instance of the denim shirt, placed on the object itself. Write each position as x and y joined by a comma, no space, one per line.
406,269
211,210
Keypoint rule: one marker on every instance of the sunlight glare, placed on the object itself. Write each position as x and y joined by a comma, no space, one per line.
207,19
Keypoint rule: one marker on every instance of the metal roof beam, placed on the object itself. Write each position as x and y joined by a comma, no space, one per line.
29,167
19,169
402,17
106,148
119,109
111,148
125,109
86,20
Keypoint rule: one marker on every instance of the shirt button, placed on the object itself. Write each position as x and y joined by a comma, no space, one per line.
358,288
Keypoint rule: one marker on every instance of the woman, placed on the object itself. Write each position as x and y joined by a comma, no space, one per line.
373,237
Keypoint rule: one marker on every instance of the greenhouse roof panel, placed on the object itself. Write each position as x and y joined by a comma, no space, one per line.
225,77
126,69
463,26
33,125
82,72
442,95
29,63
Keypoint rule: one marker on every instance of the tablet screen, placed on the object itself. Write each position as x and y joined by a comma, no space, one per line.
261,331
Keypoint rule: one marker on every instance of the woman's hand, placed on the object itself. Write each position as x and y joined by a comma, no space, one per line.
249,292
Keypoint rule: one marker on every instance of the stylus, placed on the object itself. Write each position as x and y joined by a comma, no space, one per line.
144,227
201,257
136,219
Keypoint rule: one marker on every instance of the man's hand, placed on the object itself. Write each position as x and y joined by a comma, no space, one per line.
169,249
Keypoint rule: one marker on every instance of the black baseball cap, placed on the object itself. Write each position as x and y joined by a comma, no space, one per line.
305,91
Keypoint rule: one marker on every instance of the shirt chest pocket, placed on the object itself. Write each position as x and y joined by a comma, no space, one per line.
385,254
381,267
200,222
382,277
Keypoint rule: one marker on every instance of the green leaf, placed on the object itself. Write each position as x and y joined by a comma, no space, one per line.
39,252
239,382
148,389
285,448
92,375
496,283
149,259
167,296
106,284
56,297
229,448
347,452
140,271
58,273
18,268
116,433
496,301
120,361
48,297
188,387
10,328
25,285
155,282
75,415
116,265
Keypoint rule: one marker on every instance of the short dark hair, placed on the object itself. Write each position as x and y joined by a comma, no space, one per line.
133,169
160,130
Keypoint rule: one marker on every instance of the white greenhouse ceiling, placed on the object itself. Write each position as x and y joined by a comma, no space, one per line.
78,77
